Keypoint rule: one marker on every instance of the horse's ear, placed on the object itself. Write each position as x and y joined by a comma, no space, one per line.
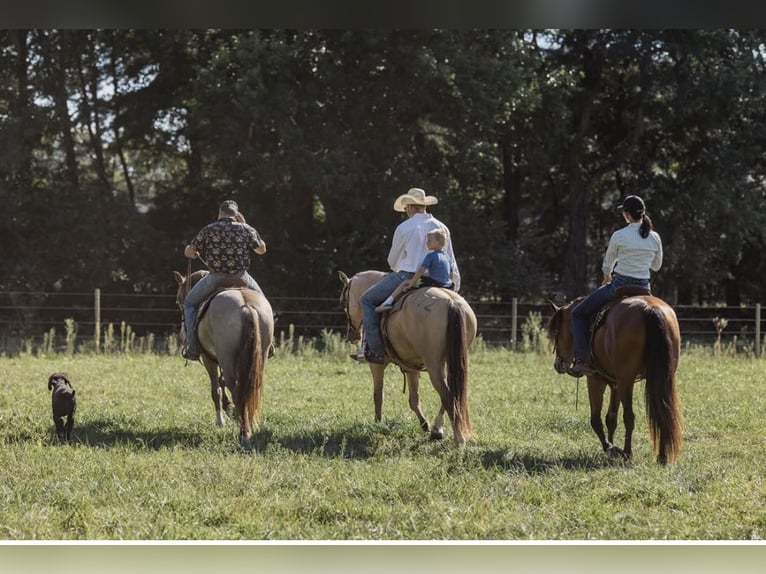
553,305
179,278
343,277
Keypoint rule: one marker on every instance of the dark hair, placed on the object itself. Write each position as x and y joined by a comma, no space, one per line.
635,207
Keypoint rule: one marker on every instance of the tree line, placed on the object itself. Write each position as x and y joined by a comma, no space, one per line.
116,147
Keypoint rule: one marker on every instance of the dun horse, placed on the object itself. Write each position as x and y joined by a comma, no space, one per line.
638,339
431,329
234,334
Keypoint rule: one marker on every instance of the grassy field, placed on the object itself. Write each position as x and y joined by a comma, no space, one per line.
148,462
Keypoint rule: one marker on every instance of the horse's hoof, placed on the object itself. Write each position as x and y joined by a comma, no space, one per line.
437,435
245,444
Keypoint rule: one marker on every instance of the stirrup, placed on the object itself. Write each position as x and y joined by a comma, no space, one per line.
189,355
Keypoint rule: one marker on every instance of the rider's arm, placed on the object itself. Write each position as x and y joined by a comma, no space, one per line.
418,274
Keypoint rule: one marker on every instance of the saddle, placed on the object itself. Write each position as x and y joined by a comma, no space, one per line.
226,285
619,294
600,316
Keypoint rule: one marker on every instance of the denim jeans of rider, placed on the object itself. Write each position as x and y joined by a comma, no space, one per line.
373,297
201,291
584,310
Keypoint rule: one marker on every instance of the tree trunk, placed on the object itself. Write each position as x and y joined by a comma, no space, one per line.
56,71
23,171
512,177
591,61
89,90
115,124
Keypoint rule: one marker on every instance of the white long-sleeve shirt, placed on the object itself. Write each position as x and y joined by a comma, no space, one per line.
408,246
633,255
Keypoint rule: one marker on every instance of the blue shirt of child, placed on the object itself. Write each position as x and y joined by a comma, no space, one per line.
438,267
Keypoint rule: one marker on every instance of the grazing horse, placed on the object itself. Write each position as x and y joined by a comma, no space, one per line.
638,338
234,334
428,329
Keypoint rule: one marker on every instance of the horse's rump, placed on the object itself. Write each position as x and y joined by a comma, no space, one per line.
236,333
418,326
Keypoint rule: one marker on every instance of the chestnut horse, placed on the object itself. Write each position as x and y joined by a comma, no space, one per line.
637,339
234,335
429,329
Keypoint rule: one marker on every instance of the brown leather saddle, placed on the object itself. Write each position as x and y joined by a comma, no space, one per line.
619,294
600,316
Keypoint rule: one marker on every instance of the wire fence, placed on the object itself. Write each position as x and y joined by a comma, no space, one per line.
30,316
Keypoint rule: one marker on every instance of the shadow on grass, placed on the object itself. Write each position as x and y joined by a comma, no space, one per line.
359,442
110,433
515,462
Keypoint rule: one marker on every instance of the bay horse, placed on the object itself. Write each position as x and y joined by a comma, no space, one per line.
638,338
234,335
429,329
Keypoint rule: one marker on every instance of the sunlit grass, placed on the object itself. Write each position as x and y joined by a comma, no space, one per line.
149,463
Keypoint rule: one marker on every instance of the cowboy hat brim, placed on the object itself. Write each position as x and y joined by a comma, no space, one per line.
404,200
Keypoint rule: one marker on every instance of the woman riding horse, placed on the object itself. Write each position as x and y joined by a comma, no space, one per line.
635,249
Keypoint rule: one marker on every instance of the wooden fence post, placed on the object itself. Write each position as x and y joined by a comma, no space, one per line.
514,320
97,318
757,329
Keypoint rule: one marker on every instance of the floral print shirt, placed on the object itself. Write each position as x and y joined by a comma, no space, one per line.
225,245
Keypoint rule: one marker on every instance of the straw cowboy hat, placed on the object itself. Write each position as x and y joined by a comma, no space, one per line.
414,196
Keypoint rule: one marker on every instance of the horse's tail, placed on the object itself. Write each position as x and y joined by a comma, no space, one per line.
250,369
457,368
661,355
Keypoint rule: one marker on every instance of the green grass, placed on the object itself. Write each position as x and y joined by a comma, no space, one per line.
148,462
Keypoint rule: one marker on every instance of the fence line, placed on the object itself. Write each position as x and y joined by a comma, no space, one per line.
31,314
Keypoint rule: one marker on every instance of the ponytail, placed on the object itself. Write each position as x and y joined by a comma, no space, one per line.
646,226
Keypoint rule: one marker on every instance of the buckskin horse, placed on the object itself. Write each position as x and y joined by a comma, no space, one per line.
638,338
429,329
235,332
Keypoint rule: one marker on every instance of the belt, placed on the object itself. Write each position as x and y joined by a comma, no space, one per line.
631,278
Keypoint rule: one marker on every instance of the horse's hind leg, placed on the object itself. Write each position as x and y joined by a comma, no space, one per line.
216,391
628,418
413,385
596,388
437,430
377,389
226,403
611,415
439,382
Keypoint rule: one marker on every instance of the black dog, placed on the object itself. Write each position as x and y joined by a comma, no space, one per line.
64,404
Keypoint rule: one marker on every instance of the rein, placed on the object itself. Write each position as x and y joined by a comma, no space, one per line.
188,278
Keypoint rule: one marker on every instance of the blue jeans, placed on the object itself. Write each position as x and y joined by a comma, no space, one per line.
201,291
373,297
583,311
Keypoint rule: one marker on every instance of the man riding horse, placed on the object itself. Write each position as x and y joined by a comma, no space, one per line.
408,249
224,246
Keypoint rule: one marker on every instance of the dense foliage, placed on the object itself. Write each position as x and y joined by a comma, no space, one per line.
117,145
